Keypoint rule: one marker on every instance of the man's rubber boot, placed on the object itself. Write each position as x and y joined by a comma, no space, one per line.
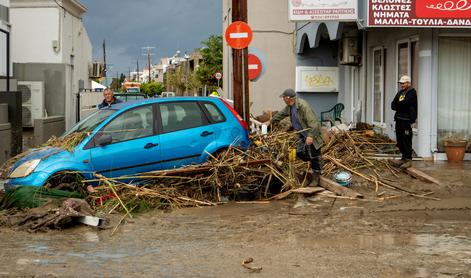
407,163
316,179
396,163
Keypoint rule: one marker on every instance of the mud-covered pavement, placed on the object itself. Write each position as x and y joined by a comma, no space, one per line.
401,237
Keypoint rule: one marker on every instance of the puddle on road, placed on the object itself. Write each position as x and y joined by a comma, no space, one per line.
91,255
85,247
89,247
426,244
443,244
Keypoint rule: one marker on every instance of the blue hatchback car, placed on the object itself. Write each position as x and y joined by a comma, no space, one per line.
140,136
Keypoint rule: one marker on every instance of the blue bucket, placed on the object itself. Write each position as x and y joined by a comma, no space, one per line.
343,178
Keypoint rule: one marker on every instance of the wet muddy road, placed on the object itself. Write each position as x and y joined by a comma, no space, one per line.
400,237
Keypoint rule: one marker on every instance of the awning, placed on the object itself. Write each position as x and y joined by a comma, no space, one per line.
96,85
311,32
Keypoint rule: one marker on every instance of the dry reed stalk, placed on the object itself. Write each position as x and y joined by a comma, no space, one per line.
255,172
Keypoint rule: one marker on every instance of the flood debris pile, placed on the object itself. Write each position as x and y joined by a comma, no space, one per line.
259,173
52,215
38,208
230,175
268,171
354,150
68,142
363,153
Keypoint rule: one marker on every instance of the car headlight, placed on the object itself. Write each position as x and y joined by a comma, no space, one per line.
25,169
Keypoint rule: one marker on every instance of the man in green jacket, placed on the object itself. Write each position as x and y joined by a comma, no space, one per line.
304,120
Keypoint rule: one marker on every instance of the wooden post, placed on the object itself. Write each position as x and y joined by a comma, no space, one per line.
240,66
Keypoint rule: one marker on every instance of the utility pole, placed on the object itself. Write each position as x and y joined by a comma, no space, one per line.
137,71
104,63
117,81
148,49
187,64
240,68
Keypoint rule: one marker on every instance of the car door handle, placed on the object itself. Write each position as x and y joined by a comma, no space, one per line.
206,133
150,145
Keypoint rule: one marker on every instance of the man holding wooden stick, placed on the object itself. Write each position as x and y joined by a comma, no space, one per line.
304,120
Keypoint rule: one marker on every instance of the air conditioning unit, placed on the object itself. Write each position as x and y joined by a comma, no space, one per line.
349,54
33,98
96,70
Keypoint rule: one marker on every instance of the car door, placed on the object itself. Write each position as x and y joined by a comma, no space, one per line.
134,146
185,133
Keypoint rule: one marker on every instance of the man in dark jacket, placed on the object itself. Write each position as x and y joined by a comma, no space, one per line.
109,99
303,119
405,105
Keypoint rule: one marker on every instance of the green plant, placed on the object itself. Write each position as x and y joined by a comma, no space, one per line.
456,139
212,60
152,89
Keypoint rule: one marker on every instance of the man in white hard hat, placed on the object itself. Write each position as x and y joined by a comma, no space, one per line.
405,105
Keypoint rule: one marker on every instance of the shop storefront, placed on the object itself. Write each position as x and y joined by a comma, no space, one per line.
429,40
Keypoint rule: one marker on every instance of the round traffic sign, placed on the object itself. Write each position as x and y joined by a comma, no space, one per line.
218,75
255,66
238,35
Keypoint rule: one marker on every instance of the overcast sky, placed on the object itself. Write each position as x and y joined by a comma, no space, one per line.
167,25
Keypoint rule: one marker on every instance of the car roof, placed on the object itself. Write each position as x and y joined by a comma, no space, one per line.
138,102
129,94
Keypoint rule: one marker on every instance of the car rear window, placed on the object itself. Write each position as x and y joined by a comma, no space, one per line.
214,113
181,115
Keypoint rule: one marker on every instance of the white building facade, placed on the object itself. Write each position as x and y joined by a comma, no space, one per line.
50,44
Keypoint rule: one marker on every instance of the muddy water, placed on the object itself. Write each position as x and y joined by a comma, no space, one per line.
286,242
404,237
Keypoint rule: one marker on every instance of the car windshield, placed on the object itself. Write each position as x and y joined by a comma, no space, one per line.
91,122
135,97
129,96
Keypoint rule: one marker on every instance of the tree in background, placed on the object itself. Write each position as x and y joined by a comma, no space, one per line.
175,80
152,89
212,61
193,81
116,83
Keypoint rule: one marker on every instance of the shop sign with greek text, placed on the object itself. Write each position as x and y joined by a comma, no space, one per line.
317,79
419,13
323,10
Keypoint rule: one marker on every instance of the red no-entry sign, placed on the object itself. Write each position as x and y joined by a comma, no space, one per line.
255,66
238,35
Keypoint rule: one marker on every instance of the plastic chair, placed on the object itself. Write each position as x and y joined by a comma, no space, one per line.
333,115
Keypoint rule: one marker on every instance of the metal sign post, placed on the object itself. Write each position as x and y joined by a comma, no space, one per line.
218,76
81,86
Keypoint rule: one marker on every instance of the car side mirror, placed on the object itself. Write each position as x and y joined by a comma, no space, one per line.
104,139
